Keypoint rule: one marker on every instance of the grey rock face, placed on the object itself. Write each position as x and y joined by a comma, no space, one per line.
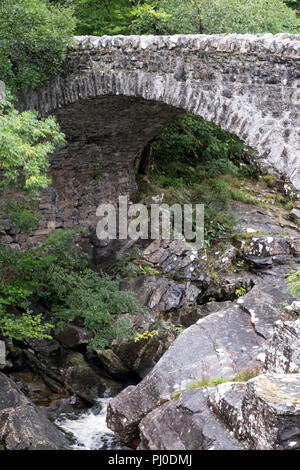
263,246
227,401
161,294
23,426
247,84
271,411
282,351
262,413
81,379
263,304
110,362
188,424
222,344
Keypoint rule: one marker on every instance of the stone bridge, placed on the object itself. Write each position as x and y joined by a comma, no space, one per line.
116,93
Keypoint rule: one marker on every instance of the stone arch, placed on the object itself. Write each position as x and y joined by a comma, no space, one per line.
116,93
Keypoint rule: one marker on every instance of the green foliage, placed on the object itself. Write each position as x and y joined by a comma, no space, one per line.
282,305
124,264
22,217
239,195
24,325
195,140
243,376
247,374
270,181
25,143
57,274
176,329
34,39
148,271
217,16
200,384
100,17
99,302
293,281
240,292
191,160
294,5
240,264
145,335
147,20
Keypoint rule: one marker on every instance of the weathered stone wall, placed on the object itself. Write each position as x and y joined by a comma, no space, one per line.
116,93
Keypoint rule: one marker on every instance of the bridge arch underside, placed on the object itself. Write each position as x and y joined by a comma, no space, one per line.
106,136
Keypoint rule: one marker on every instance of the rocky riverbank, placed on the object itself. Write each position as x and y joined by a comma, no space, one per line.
215,364
178,405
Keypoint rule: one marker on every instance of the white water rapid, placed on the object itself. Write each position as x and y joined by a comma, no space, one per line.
89,428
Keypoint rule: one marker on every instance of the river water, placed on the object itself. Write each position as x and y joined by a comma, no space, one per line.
89,428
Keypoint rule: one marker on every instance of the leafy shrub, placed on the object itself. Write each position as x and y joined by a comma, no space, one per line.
25,143
100,17
147,20
192,139
145,335
240,292
148,270
22,216
57,275
34,39
23,325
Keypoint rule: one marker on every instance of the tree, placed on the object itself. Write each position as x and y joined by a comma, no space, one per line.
34,39
100,17
25,143
221,16
294,5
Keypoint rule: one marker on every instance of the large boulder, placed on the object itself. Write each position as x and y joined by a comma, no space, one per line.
264,251
221,344
186,424
74,336
263,304
142,355
84,381
282,351
262,414
23,426
110,362
271,412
